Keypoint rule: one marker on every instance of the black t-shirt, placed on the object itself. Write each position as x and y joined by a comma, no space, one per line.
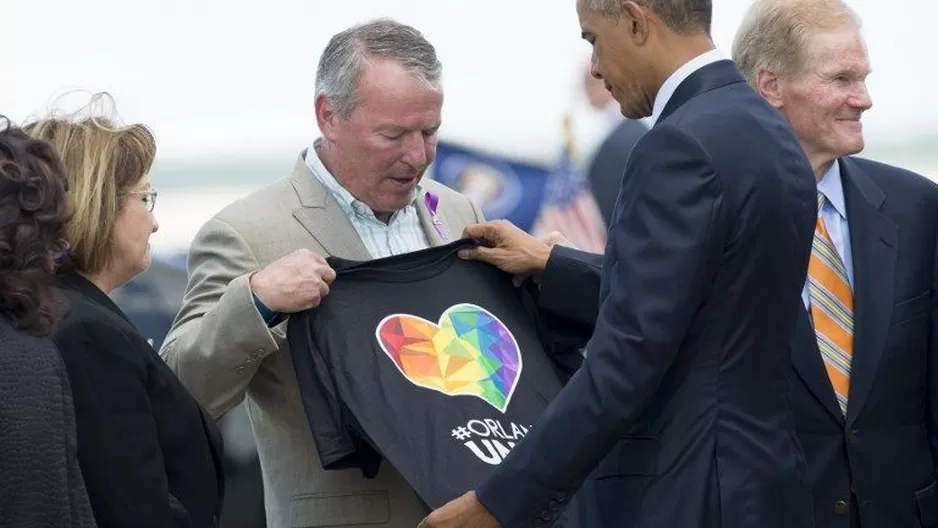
433,362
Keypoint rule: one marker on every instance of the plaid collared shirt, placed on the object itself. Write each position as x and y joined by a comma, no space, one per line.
402,234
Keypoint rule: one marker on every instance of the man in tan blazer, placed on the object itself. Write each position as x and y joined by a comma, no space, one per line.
356,194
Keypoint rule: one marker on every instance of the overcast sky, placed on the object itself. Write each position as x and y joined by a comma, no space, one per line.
235,78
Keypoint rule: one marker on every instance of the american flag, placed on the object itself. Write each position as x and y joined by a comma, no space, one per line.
570,208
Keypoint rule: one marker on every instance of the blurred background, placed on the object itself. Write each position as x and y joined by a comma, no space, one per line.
227,87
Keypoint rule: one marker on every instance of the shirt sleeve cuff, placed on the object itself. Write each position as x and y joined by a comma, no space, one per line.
270,317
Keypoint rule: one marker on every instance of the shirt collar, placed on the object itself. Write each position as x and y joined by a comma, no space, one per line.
670,85
347,201
832,187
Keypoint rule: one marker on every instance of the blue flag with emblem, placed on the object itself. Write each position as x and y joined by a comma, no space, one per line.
503,189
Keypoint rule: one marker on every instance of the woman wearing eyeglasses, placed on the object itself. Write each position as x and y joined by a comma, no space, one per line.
149,455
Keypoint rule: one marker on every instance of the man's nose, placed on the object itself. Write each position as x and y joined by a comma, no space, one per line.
415,151
861,99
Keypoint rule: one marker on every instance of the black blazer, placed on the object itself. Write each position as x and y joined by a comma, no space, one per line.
149,454
680,412
40,479
608,164
885,449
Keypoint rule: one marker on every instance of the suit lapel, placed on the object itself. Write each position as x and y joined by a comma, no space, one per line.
710,77
426,221
807,362
321,216
874,241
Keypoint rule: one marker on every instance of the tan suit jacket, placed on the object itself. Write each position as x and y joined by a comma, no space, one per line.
222,350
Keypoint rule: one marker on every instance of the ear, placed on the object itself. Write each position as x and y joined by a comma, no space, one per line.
326,117
769,86
636,20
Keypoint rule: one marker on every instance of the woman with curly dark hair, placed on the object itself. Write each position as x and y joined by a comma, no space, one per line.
40,479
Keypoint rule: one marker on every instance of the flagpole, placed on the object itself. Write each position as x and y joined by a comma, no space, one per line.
569,143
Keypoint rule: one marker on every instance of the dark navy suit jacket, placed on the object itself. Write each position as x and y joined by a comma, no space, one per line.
882,455
680,415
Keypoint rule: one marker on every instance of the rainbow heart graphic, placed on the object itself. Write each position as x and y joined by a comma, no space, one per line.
469,352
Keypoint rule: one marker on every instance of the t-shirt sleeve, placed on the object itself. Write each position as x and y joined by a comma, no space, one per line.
338,446
561,343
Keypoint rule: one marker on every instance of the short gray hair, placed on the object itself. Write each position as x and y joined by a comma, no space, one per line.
774,34
346,54
682,16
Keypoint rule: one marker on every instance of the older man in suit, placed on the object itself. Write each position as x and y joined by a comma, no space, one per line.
357,193
865,351
680,414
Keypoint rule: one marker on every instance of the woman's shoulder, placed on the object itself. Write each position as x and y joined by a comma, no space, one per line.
23,353
89,328
82,315
89,308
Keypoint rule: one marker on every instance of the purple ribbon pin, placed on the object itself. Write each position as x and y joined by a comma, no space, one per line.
432,202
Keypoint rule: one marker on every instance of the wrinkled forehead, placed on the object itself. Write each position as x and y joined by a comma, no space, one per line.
586,15
407,100
378,73
594,22
835,49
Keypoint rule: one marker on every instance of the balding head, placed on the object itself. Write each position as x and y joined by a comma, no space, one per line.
809,61
774,34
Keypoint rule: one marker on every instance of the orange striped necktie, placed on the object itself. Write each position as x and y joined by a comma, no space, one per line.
831,308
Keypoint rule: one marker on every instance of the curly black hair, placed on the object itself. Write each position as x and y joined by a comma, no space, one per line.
33,210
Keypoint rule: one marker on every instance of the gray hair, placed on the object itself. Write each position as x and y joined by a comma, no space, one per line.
774,34
681,16
347,53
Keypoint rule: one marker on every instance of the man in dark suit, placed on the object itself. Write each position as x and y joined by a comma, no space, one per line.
608,164
680,414
864,378
605,165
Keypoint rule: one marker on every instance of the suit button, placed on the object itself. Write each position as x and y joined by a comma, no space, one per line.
560,497
545,515
840,507
240,369
852,434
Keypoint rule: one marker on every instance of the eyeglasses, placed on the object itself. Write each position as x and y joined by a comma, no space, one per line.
148,197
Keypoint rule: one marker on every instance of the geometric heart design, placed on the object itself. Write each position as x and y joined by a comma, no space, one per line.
468,352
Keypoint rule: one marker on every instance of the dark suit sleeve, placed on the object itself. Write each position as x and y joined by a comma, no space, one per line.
118,439
666,238
569,295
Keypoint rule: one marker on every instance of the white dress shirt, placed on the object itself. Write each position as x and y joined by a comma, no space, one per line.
402,234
